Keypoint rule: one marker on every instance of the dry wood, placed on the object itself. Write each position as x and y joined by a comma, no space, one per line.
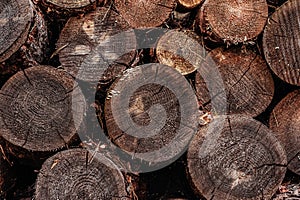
236,157
151,108
281,42
189,4
69,4
233,21
285,121
99,42
180,50
15,21
36,109
247,80
146,13
80,174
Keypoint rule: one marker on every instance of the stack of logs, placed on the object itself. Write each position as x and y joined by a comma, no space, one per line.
196,99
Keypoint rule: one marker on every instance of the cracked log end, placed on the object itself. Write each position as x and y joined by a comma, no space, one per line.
281,42
80,174
145,13
36,109
236,157
233,21
247,81
285,121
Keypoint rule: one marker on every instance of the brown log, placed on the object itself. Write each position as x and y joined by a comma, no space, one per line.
151,113
15,21
70,5
145,14
190,4
247,80
281,42
180,50
233,21
36,111
236,157
80,174
284,121
90,45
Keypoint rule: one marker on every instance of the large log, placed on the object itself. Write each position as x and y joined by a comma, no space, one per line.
236,157
36,111
233,21
145,14
151,113
92,46
285,121
181,50
247,80
80,174
15,21
281,42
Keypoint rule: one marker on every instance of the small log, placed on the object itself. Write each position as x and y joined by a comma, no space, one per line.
36,111
190,4
284,121
151,113
281,42
80,174
236,157
99,41
145,14
69,6
248,82
233,21
15,21
180,50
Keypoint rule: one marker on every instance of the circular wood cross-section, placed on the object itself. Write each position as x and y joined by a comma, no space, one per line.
80,174
36,109
90,45
285,121
281,42
70,4
180,50
189,4
233,21
146,13
236,157
151,113
247,80
15,20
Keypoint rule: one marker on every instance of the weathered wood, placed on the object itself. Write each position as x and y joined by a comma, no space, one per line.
180,50
233,21
247,80
99,41
69,4
36,110
145,14
151,113
284,121
80,174
281,42
236,157
15,21
190,4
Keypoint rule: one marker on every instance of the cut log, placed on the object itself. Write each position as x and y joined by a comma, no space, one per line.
233,21
236,157
145,14
69,5
285,121
36,110
247,80
151,113
281,42
190,4
90,45
15,21
180,50
80,174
